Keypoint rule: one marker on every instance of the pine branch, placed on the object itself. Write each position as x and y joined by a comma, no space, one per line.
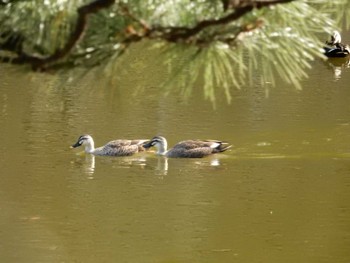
41,63
183,33
238,9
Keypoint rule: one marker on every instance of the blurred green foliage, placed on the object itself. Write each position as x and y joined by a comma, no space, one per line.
277,41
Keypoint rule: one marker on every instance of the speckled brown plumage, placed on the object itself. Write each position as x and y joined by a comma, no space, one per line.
188,148
121,147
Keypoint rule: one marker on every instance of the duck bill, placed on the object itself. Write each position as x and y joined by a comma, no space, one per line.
147,145
77,144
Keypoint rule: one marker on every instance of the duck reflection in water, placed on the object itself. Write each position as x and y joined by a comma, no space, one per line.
86,162
163,165
89,166
89,162
338,66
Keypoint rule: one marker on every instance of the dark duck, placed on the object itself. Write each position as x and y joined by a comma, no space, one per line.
335,48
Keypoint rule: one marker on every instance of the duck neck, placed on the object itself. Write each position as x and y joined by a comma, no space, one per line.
90,147
162,148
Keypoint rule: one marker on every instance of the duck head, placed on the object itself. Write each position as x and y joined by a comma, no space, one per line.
85,140
335,38
159,142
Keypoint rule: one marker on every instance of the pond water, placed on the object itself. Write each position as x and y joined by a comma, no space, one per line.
280,195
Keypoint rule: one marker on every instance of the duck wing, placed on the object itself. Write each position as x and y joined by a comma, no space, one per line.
125,143
121,147
193,144
189,153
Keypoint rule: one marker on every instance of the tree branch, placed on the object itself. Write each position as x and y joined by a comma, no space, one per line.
76,35
182,33
238,9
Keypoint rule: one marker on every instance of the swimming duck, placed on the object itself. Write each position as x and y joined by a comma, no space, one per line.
187,149
335,48
112,148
